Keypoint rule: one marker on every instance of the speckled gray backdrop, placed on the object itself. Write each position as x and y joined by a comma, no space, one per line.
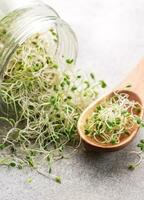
111,42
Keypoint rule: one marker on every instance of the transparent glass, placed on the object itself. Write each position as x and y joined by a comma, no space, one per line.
19,20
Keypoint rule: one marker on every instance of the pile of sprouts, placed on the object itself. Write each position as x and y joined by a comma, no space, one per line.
41,103
113,119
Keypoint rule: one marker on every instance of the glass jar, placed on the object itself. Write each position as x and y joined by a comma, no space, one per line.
19,20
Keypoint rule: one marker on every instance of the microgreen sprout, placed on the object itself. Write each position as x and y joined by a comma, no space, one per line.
58,179
29,180
69,61
12,164
113,119
103,83
93,76
128,86
54,34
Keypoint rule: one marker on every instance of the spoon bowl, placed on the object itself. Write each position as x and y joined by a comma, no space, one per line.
135,93
91,143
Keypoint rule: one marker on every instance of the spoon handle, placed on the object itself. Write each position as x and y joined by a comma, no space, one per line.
135,81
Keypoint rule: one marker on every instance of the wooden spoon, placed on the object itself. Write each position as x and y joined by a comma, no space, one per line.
135,92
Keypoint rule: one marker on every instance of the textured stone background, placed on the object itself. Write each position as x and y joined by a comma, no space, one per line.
111,42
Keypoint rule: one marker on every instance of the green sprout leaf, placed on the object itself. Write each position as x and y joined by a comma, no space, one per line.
131,167
2,146
58,179
141,145
69,61
12,164
103,84
92,76
29,180
128,86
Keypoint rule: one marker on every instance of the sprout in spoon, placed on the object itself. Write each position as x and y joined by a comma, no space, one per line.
113,119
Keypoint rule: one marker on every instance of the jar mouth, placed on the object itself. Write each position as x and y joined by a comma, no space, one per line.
27,22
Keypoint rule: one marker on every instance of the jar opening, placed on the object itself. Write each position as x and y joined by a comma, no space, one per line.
20,25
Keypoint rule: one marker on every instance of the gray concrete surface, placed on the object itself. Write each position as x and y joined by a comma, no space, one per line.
111,42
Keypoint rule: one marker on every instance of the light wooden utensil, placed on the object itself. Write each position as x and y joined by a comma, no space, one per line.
135,92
